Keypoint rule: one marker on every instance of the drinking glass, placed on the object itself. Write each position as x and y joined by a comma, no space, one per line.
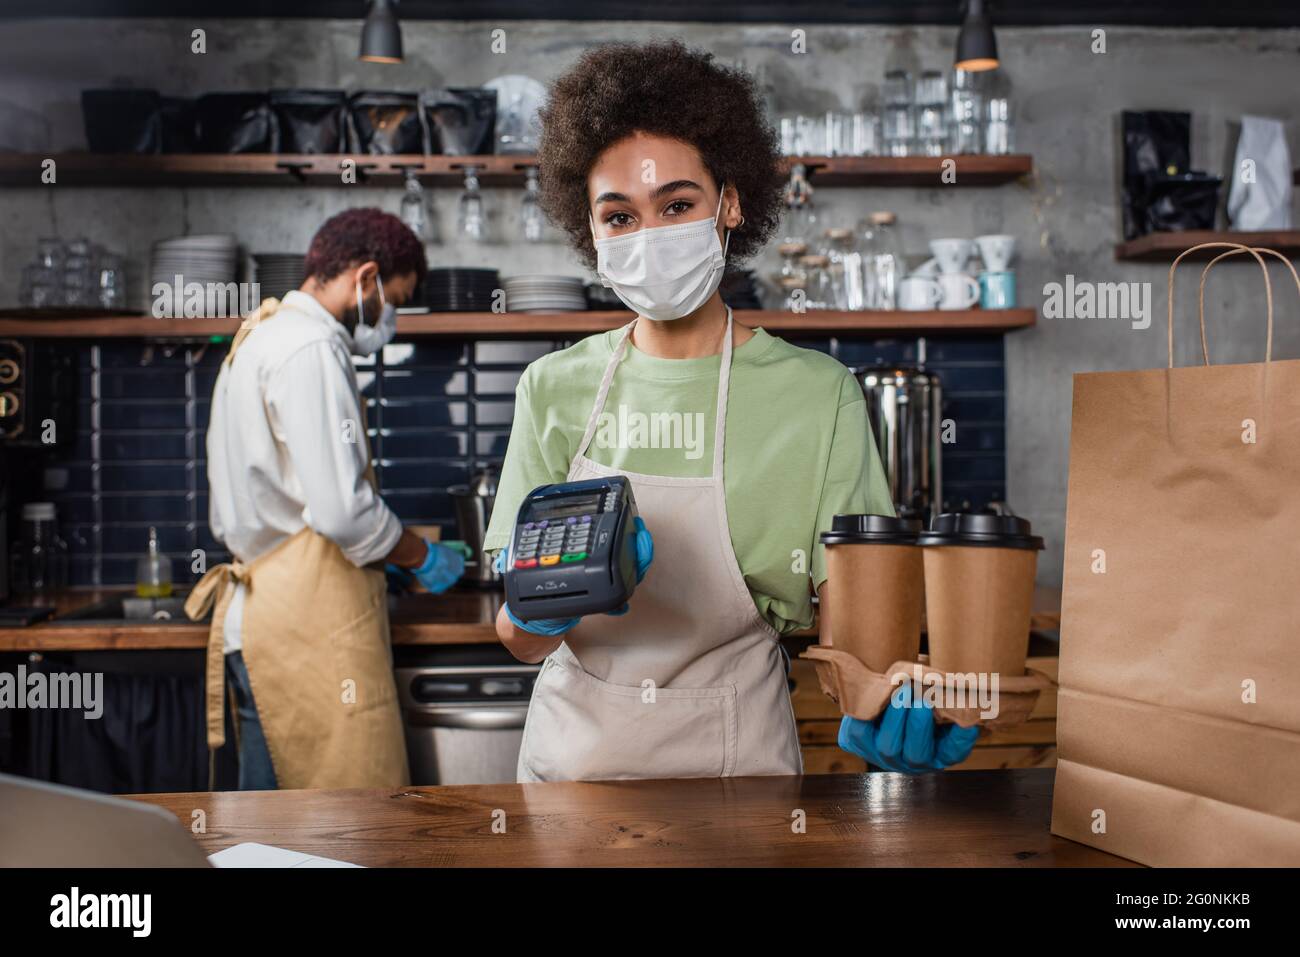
789,132
932,113
999,122
899,129
471,216
413,210
999,130
78,277
865,134
810,134
50,253
898,86
965,128
883,264
819,289
530,213
838,134
110,286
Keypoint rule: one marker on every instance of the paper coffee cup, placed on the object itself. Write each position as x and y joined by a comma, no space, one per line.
979,577
874,569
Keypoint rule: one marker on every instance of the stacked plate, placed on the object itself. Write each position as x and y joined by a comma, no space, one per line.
206,259
545,294
460,290
278,273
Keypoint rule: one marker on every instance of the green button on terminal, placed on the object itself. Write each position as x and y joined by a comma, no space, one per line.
573,556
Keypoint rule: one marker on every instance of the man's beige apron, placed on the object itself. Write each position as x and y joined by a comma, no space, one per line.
316,645
691,682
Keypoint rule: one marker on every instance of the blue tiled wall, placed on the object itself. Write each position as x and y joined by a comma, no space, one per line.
438,410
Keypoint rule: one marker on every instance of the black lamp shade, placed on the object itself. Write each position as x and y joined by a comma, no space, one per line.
977,47
381,34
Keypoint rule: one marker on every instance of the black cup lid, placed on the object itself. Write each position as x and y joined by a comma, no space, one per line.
871,529
981,528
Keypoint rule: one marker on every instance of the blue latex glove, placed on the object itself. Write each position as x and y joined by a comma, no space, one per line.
441,568
542,626
905,738
645,553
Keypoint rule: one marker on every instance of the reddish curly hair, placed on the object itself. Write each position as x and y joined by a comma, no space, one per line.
359,235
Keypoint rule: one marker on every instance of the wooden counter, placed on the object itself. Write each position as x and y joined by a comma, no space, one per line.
457,617
971,819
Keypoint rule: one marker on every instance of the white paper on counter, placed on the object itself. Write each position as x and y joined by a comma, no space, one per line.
264,855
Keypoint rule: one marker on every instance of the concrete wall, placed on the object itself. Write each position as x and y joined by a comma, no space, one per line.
1068,99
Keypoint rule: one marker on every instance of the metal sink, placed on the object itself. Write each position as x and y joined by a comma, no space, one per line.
129,608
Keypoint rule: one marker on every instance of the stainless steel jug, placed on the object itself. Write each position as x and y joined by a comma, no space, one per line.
904,406
473,509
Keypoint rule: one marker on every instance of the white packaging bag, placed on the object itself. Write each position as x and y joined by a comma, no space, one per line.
1260,197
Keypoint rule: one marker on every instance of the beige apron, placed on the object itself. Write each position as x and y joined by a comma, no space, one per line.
316,644
691,682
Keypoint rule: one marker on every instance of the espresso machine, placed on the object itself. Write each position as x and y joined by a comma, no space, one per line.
904,406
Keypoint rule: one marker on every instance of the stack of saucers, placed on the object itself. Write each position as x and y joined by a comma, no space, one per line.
212,258
545,294
278,273
460,290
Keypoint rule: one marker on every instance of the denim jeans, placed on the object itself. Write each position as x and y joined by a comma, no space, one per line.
255,770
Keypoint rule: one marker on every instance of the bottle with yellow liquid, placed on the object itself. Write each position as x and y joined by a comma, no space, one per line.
153,572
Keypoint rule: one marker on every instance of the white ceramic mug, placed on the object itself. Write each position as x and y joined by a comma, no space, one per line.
996,251
952,254
919,293
960,291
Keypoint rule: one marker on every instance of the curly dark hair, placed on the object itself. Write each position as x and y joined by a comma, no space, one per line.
360,235
664,89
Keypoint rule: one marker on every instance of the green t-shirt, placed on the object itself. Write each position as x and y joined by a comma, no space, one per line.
798,448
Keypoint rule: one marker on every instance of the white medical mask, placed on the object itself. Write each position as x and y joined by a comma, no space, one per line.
367,340
666,272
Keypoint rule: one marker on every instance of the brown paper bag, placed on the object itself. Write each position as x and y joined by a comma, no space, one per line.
1178,722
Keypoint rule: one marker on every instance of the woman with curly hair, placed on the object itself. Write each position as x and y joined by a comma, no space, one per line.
739,447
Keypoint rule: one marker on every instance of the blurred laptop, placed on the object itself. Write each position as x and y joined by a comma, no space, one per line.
49,825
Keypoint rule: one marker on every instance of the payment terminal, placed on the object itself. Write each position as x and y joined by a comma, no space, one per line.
573,550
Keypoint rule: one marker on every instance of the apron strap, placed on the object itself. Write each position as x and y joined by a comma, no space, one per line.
720,412
214,592
602,393
267,309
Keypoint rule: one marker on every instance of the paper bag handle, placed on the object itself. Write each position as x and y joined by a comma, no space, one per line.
1268,295
1200,299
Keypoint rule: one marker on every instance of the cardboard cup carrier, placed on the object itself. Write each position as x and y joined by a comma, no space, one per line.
973,574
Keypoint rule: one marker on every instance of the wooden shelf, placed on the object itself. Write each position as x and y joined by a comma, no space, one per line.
252,169
260,169
968,170
486,325
1165,247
